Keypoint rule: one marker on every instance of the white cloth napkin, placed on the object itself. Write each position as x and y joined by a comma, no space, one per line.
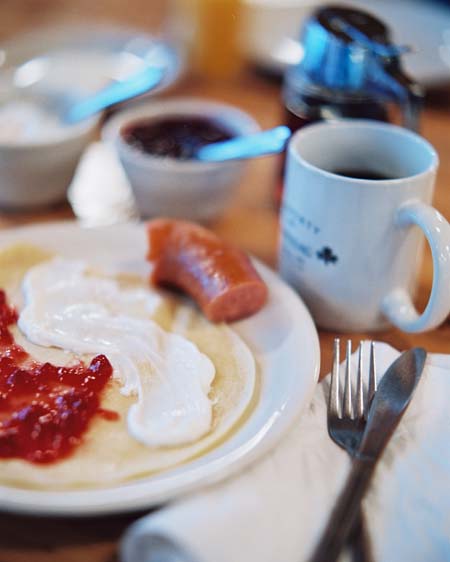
99,192
276,510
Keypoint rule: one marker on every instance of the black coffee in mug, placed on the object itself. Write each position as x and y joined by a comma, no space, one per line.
363,174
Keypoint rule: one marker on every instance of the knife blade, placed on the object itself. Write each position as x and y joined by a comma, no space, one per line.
393,396
390,402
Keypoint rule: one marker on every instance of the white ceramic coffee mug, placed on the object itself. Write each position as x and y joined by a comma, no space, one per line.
351,246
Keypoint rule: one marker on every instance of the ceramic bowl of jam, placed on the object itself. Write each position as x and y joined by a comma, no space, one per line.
156,143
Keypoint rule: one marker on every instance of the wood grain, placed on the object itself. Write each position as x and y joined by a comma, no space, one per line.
251,223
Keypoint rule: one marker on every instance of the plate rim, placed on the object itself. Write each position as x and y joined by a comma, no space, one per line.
17,500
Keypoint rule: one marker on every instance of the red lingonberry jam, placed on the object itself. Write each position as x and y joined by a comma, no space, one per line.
44,409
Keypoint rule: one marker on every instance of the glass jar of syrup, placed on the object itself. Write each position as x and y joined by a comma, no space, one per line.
349,69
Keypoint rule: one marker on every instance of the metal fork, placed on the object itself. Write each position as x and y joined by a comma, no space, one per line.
347,415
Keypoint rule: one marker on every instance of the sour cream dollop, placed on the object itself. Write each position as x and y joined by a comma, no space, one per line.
68,308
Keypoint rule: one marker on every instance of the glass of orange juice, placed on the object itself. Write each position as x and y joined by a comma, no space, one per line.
210,30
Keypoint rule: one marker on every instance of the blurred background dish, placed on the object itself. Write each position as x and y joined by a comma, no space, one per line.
271,29
38,152
37,171
170,186
84,58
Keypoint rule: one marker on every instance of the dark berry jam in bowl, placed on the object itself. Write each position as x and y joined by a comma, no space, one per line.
174,136
156,145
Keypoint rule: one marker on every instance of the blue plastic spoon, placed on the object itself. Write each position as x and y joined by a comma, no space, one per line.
271,141
137,84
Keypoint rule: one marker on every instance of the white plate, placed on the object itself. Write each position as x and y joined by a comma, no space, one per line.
272,29
84,59
282,336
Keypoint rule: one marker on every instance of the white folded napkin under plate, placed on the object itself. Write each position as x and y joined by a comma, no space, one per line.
275,510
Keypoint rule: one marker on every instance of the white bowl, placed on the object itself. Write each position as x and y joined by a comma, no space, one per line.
37,172
166,186
270,31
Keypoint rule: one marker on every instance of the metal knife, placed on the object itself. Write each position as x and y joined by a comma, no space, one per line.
393,395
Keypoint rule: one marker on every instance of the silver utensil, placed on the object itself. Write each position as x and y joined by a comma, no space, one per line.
347,414
389,403
346,420
262,143
135,85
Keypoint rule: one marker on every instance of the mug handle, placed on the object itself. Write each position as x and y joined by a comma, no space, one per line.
398,306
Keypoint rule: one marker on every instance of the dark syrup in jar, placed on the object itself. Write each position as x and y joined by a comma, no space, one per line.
175,137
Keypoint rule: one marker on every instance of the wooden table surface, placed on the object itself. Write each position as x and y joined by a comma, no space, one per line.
250,223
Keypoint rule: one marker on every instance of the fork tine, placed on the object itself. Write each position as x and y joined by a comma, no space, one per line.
348,405
334,401
359,384
373,383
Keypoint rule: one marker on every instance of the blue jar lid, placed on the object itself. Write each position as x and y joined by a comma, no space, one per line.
343,46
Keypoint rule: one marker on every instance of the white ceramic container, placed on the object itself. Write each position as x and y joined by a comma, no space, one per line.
352,246
186,189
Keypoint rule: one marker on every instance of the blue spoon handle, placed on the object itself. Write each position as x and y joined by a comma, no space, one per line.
135,85
250,146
